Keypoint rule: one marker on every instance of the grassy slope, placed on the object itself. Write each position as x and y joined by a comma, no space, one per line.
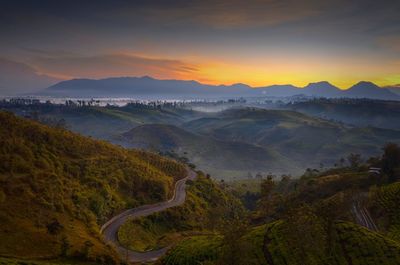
223,159
352,244
357,245
383,114
167,227
385,207
104,122
300,138
52,178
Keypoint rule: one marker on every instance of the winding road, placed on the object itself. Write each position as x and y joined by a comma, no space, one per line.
110,228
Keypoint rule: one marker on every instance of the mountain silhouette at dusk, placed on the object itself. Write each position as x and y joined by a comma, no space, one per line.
148,87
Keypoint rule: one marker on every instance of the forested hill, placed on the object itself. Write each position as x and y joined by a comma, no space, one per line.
57,188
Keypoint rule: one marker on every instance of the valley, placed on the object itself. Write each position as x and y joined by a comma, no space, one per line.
246,182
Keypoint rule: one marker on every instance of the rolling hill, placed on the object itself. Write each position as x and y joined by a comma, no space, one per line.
57,187
298,137
357,112
223,159
106,123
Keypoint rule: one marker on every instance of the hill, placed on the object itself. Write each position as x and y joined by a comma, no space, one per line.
369,90
357,112
220,158
57,187
267,245
106,123
301,138
322,89
311,220
206,202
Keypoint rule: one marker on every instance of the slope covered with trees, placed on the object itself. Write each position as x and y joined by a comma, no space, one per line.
340,216
206,206
57,188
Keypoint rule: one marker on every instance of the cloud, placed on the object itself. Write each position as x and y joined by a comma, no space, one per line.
16,77
106,65
390,42
222,14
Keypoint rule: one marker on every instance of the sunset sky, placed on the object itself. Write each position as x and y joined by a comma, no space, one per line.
217,42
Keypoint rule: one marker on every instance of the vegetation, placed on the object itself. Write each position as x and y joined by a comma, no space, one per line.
313,220
227,144
206,206
357,112
354,245
57,188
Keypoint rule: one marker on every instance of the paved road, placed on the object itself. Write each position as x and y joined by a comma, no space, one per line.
110,229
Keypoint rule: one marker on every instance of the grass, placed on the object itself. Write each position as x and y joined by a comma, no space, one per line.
162,229
385,204
57,188
195,250
11,261
144,235
354,245
207,249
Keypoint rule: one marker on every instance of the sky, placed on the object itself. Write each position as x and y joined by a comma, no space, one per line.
254,42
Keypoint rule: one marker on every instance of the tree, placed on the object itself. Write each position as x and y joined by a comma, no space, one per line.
87,248
354,160
65,246
267,200
342,161
391,161
234,247
54,227
305,235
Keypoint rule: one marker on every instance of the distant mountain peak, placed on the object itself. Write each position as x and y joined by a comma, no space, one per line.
365,84
321,89
367,89
325,84
147,77
146,87
319,83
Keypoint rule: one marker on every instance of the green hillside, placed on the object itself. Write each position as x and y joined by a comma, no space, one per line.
268,245
311,220
220,158
386,209
360,112
308,141
206,205
105,123
57,188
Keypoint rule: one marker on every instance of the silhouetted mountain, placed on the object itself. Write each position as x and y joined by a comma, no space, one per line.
145,87
324,89
16,78
365,89
280,90
150,88
394,89
319,89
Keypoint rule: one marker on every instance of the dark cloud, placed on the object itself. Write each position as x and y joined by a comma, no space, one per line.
18,77
66,37
104,65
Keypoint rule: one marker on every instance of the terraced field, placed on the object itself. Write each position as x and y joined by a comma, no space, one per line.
386,201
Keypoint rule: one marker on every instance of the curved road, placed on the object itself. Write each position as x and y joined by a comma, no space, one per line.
110,229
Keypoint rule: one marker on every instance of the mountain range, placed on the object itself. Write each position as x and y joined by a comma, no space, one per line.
149,88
